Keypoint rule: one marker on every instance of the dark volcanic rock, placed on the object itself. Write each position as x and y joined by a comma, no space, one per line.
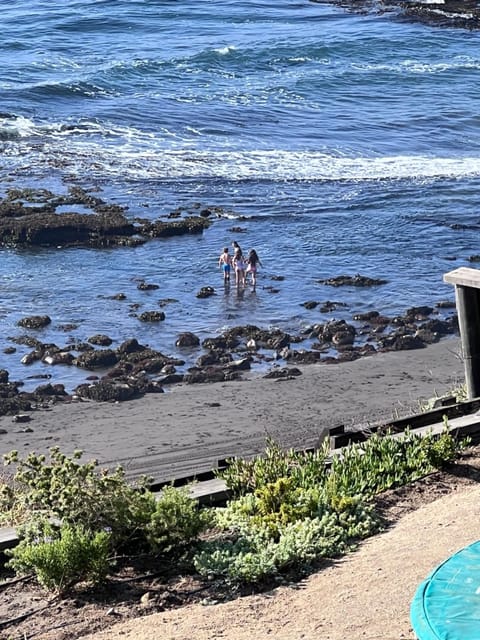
310,304
330,305
100,340
130,346
356,281
215,373
106,391
221,343
463,14
187,339
418,313
171,378
446,304
34,322
212,357
33,356
284,372
401,342
52,229
369,315
152,316
29,217
51,390
145,286
302,356
58,357
159,229
206,292
97,359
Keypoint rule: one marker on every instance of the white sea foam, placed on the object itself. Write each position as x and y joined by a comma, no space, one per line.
136,154
275,165
223,51
458,63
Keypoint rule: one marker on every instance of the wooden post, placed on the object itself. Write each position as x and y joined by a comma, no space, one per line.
467,294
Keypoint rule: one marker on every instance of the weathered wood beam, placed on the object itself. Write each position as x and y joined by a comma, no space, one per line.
467,295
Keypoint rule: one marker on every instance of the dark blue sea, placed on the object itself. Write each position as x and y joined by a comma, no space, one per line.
339,142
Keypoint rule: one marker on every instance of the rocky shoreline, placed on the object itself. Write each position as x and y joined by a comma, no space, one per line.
131,370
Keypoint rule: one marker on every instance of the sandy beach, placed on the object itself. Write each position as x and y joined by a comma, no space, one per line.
189,428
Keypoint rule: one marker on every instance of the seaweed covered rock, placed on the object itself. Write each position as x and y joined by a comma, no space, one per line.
97,359
152,316
106,391
30,217
101,340
159,229
187,339
34,322
206,292
355,281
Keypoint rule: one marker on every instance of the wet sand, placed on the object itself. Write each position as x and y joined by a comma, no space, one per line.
190,427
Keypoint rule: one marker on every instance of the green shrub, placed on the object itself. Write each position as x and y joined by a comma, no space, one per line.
62,556
443,449
255,555
383,462
74,493
177,521
242,476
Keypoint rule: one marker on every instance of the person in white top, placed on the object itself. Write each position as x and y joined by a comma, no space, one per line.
239,265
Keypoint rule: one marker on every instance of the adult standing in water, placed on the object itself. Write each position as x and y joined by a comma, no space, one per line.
253,261
236,248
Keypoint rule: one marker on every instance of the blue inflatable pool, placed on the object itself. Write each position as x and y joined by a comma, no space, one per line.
446,605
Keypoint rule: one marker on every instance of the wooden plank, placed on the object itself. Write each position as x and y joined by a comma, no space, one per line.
8,538
209,492
463,277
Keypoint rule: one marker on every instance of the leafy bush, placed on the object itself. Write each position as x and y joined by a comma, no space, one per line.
60,557
76,493
177,521
291,520
383,462
242,476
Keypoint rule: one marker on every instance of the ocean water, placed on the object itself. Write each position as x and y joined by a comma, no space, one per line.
339,143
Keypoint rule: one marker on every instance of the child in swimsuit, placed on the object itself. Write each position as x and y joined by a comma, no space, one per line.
225,263
253,261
